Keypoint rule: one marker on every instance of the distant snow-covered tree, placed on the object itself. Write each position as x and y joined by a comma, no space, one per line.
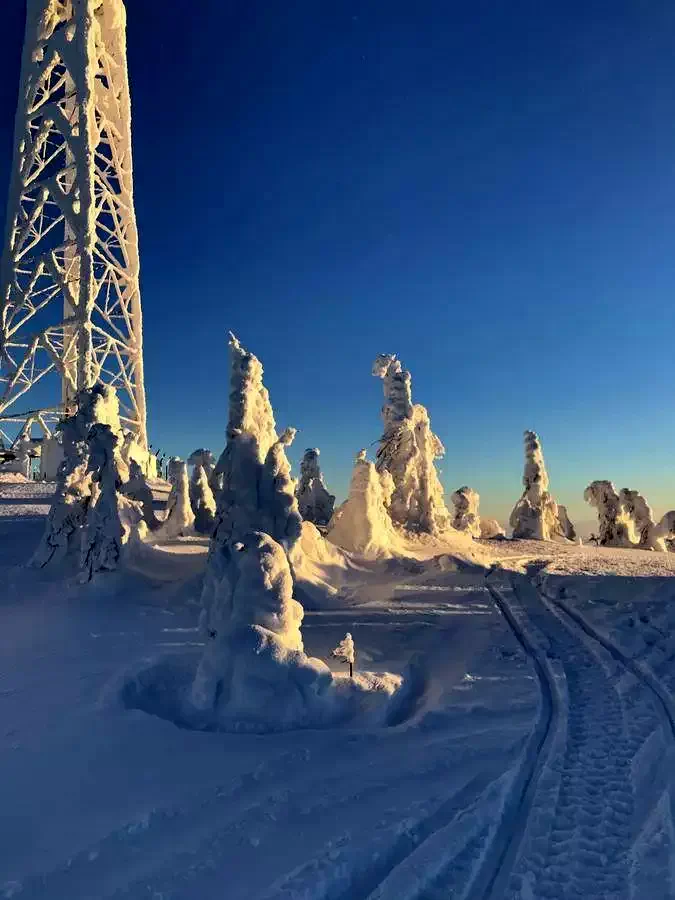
179,519
202,501
314,502
536,515
466,518
407,452
345,652
615,524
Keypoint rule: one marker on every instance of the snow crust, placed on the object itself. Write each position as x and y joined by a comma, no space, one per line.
536,515
407,453
314,502
466,518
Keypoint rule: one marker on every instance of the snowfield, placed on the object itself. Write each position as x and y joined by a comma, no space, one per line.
534,761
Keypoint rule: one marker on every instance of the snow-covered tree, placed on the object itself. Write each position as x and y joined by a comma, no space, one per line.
202,501
138,489
179,516
466,518
254,670
362,524
615,524
204,458
649,534
95,405
408,450
110,516
490,528
257,490
536,516
345,652
314,502
568,530
277,492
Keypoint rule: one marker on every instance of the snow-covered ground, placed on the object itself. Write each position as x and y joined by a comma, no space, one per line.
537,763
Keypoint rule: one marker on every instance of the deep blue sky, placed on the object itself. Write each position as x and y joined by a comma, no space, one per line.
486,189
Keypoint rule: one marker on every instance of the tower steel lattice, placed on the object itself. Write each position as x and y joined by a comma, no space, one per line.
69,277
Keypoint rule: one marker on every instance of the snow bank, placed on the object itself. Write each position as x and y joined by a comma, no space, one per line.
466,518
616,526
362,524
536,515
407,452
314,502
202,500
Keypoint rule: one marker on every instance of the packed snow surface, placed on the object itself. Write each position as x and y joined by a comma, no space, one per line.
533,760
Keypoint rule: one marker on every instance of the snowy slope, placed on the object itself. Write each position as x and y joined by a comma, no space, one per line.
537,763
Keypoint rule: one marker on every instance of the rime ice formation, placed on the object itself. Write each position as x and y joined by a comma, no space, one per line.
568,530
362,524
466,518
408,449
258,493
179,516
615,524
203,458
649,534
202,500
314,502
97,405
254,671
109,516
535,516
490,528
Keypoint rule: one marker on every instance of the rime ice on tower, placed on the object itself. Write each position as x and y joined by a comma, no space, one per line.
362,524
535,515
258,492
202,501
254,673
616,527
466,518
408,449
315,503
179,517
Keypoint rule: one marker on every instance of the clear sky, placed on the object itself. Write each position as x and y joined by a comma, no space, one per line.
486,189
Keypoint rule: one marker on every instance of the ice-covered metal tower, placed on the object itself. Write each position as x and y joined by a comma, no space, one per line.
70,302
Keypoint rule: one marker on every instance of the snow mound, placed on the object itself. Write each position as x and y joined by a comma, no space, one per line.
202,500
490,528
254,675
536,515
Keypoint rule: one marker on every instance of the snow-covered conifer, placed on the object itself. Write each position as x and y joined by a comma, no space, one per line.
345,652
408,450
466,518
314,502
281,517
179,516
202,501
535,516
615,524
490,528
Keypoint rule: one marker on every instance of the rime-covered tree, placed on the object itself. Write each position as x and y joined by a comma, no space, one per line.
535,516
345,652
615,525
408,450
179,519
466,518
362,524
314,502
202,501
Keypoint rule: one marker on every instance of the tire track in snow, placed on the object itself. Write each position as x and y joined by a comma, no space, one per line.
579,837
